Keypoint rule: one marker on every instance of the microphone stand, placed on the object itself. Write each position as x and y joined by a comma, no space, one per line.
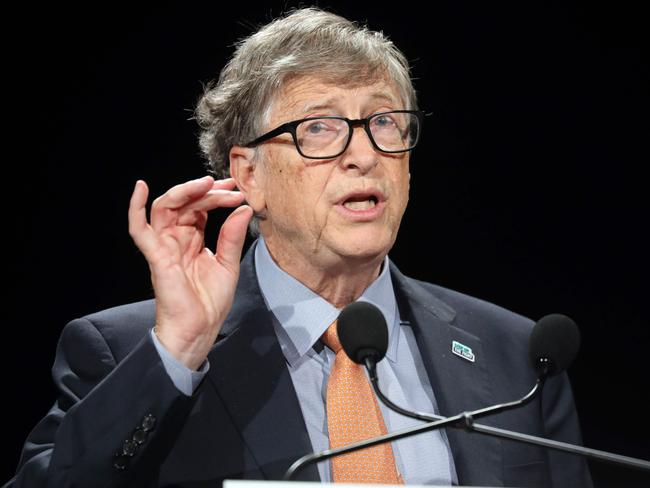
467,416
464,419
469,425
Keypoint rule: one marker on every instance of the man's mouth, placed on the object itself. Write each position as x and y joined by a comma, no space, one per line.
361,202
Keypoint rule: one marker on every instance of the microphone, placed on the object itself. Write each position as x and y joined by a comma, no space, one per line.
362,331
363,334
553,345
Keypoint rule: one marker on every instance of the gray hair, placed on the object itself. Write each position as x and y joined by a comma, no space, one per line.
307,41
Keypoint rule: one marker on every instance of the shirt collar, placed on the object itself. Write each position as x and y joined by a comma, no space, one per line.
304,316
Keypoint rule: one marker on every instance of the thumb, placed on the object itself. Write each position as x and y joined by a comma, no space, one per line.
232,236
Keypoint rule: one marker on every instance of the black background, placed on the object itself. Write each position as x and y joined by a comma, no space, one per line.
529,189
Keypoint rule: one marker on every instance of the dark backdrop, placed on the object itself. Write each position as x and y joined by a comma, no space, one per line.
529,189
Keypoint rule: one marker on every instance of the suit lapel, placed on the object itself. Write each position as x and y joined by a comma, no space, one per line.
249,373
248,370
459,384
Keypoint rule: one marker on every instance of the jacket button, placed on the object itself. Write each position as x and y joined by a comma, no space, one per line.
129,447
148,422
120,462
139,436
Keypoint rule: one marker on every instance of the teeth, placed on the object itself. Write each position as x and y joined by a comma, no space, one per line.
363,205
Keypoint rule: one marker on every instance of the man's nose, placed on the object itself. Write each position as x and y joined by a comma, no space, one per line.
360,154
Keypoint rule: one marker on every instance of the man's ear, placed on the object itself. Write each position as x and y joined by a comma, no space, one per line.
248,174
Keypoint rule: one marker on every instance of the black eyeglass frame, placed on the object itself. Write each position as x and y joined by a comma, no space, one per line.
290,127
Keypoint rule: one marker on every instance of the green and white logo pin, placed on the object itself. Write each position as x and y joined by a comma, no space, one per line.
462,350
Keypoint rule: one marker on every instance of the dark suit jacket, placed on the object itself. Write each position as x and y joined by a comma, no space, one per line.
244,420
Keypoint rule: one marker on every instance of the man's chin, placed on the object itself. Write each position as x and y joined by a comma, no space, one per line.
364,250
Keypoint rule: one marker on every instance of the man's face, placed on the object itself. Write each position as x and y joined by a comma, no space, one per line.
331,212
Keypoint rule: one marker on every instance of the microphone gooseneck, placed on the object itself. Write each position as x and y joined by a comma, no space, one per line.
363,334
554,343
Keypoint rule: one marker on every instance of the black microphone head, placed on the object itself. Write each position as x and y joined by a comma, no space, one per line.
554,343
363,332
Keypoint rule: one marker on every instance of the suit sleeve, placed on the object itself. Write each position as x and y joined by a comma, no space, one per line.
112,424
561,423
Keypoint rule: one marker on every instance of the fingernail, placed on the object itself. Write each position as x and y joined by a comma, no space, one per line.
241,208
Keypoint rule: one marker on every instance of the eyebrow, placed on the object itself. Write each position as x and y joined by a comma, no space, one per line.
330,102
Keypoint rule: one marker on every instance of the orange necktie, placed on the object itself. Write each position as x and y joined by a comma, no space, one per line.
353,415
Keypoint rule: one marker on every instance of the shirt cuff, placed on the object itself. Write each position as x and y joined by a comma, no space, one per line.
184,378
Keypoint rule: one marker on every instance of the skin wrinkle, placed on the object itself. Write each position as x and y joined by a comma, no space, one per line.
328,214
365,76
349,298
329,103
306,231
320,234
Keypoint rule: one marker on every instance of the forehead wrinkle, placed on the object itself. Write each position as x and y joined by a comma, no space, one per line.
384,96
296,98
289,100
332,102
327,103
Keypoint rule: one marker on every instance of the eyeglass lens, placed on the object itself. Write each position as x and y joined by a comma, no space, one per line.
325,137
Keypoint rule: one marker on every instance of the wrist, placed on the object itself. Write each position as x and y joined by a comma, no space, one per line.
190,353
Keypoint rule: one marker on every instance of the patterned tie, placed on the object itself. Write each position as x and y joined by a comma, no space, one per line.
353,415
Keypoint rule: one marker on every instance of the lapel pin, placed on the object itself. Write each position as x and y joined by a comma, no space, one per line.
463,351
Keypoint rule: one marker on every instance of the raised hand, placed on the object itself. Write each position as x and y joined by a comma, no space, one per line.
194,288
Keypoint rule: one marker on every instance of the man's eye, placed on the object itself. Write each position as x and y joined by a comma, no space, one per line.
317,127
384,121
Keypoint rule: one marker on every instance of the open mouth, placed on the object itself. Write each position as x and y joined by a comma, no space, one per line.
360,202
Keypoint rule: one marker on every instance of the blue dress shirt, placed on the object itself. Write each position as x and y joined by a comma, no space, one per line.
301,317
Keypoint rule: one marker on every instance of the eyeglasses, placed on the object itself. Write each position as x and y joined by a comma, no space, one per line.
328,137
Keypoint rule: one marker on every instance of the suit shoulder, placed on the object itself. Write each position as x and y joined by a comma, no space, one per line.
123,326
136,313
475,313
504,334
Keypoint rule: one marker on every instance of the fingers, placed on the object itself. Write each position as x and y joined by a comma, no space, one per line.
232,236
179,195
216,198
140,231
227,183
197,195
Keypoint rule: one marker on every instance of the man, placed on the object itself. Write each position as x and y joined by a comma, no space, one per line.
229,372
